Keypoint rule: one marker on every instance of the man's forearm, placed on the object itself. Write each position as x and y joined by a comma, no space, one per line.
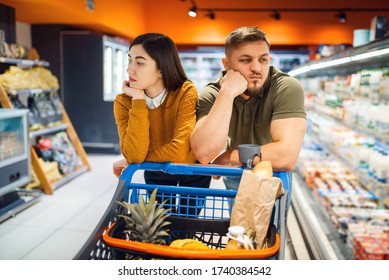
281,159
210,134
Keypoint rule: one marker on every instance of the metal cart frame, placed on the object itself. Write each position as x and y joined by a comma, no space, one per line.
95,248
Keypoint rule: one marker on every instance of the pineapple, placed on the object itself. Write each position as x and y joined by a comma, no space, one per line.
146,222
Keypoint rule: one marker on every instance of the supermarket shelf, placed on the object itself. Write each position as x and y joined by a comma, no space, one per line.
383,139
320,226
72,136
380,189
322,239
49,130
70,177
26,199
30,91
24,62
356,62
11,160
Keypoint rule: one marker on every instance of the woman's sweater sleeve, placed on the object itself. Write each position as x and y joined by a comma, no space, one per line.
133,123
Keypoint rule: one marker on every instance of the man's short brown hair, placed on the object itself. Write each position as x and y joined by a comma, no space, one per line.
243,35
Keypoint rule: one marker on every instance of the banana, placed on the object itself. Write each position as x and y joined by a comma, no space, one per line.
179,243
189,243
196,245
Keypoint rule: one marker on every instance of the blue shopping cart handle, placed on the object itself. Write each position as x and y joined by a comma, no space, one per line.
193,169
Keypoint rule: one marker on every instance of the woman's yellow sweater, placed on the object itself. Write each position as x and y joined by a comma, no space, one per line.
161,134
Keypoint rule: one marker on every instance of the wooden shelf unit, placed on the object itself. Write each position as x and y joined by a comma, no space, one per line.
48,186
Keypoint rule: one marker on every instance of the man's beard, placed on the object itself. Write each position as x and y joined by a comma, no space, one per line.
254,91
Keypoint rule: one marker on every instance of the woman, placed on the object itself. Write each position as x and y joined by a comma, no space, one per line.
156,113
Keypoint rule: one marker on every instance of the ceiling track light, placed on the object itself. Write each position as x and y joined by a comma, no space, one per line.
90,5
276,15
211,15
193,12
341,16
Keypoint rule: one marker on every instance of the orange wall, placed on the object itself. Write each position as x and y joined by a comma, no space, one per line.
129,18
118,17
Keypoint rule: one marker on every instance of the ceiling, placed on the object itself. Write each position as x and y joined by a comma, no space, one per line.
128,18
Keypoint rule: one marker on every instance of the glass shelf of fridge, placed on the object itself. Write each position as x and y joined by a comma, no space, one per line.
12,137
24,62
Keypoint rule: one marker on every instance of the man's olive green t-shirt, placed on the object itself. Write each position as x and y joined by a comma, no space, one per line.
283,97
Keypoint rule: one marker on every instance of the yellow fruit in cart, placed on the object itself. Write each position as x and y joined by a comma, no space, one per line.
189,243
195,245
180,242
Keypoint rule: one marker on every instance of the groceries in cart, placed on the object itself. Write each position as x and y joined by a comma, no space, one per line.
150,221
254,202
238,239
189,244
145,222
143,226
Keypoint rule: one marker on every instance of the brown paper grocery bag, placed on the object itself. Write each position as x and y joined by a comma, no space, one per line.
254,204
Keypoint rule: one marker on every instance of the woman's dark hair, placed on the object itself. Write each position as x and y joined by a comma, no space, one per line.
242,35
163,50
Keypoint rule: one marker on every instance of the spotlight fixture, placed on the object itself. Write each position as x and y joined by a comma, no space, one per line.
211,15
90,5
193,12
341,16
276,15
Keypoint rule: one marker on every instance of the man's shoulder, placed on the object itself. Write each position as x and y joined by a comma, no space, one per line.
216,83
278,74
281,78
211,90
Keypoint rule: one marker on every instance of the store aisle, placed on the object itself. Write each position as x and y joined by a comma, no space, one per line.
57,226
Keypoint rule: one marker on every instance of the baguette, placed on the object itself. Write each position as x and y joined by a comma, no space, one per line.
264,169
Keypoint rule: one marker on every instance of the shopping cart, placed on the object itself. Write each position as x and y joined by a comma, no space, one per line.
209,223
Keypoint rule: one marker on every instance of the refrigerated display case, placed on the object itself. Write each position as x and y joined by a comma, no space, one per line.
202,67
342,185
287,60
14,150
14,163
115,64
93,69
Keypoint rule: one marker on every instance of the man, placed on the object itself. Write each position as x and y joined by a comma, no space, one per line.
251,102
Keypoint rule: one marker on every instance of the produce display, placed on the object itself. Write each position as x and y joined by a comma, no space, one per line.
16,78
58,150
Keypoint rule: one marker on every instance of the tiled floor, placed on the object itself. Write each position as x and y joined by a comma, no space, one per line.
56,227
